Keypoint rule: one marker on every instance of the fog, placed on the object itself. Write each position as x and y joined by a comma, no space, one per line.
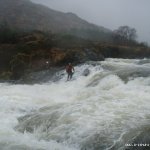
109,13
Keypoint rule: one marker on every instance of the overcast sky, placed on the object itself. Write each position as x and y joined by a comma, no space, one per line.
109,13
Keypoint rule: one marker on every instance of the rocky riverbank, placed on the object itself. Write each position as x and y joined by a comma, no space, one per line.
37,51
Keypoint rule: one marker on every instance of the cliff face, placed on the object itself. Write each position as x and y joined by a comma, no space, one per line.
23,14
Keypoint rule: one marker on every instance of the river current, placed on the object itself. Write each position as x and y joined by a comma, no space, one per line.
105,110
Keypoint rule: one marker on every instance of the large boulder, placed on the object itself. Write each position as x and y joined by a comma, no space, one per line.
86,72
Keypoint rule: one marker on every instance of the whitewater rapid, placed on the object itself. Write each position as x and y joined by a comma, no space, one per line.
105,110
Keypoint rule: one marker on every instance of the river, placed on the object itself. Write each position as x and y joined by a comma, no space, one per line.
105,110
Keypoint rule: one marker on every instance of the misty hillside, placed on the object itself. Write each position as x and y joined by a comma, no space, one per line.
73,40
23,14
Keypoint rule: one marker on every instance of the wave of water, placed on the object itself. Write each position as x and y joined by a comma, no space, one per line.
104,110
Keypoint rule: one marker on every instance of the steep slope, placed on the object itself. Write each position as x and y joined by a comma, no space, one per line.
23,14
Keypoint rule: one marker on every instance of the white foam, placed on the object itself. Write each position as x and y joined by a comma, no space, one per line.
107,109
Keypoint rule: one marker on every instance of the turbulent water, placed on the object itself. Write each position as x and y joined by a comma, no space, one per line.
105,110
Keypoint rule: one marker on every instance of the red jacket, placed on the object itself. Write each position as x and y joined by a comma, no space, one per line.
69,68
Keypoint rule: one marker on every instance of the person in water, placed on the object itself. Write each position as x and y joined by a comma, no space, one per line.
70,71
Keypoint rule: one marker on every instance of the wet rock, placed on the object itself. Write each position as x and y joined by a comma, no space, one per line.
86,72
91,55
